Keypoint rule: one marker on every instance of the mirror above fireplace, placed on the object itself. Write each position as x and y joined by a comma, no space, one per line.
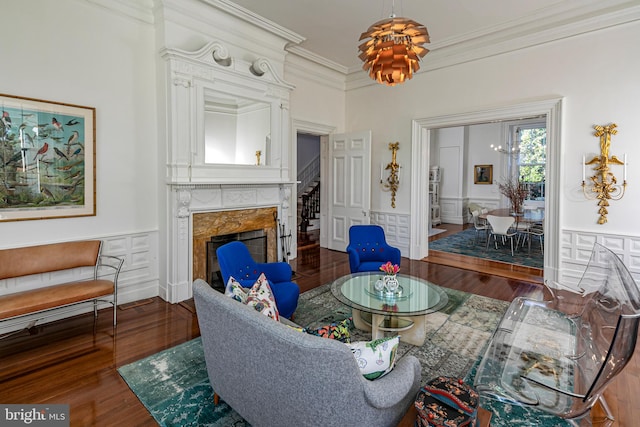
237,131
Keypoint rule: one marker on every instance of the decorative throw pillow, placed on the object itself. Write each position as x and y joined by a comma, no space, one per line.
261,298
335,331
376,358
236,291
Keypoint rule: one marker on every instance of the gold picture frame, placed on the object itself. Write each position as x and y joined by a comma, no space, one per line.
483,174
47,159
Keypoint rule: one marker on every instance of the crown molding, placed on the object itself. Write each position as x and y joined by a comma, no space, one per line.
140,10
545,26
311,56
255,19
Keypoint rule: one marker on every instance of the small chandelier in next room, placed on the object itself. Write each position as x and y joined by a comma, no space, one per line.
394,49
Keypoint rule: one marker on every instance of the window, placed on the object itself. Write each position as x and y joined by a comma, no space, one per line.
531,146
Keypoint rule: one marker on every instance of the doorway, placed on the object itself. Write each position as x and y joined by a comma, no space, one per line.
308,193
322,132
421,135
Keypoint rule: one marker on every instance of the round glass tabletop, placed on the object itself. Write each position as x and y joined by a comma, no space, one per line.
415,297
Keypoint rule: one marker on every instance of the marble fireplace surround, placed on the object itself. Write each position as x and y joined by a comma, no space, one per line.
209,224
201,211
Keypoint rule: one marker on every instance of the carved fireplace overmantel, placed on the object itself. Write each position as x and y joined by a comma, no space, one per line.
216,165
210,83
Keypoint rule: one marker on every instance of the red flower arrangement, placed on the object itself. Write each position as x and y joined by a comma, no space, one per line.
390,269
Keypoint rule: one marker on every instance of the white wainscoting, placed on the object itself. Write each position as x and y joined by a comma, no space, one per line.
396,229
575,251
138,278
451,210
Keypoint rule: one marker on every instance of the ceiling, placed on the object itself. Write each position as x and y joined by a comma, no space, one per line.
332,28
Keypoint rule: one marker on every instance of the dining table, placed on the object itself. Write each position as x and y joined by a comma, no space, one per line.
529,216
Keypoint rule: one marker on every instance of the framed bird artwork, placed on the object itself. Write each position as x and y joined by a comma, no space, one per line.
47,159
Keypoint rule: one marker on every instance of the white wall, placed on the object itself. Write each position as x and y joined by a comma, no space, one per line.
479,152
598,89
79,53
319,95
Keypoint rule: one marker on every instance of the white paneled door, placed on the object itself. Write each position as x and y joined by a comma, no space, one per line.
349,185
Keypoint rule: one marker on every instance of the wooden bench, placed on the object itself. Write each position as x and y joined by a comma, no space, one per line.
19,262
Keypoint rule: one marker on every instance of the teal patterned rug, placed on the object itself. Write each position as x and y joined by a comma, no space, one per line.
174,387
464,243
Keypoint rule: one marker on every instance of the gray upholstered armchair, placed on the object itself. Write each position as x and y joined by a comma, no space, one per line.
273,375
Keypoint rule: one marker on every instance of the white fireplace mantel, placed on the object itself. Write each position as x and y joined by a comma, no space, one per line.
188,199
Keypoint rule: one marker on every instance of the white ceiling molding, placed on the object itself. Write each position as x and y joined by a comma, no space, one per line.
140,10
255,19
307,54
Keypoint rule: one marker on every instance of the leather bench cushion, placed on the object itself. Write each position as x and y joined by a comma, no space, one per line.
21,303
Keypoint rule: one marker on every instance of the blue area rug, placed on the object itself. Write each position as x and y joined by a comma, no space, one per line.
174,387
463,243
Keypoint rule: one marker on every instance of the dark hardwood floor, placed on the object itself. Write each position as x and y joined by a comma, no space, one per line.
75,361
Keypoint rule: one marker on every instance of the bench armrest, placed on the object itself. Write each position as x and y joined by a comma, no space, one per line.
111,262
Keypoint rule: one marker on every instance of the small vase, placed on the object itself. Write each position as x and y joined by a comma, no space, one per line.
391,283
379,285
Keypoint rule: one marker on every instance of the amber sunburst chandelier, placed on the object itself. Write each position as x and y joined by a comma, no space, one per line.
393,50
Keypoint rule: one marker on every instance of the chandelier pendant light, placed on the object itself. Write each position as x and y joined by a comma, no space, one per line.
393,50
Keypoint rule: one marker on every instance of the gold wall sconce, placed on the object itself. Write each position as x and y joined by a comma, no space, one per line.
258,154
603,186
393,180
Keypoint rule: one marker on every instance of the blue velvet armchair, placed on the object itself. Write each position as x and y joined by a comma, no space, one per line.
235,260
368,248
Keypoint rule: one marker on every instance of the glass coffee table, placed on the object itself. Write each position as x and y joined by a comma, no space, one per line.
404,311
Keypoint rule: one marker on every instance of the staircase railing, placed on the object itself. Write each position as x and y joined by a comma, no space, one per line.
310,206
309,173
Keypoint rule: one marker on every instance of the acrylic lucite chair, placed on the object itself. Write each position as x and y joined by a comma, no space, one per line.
502,227
559,355
235,260
368,249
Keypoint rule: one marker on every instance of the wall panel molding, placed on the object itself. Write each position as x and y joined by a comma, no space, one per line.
576,246
396,227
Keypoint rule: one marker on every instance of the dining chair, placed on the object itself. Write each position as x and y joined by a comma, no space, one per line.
479,225
501,226
534,230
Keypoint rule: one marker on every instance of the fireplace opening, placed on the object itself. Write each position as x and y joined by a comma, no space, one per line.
256,242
